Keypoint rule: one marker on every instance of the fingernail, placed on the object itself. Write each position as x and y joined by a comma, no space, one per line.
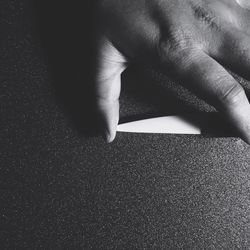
108,137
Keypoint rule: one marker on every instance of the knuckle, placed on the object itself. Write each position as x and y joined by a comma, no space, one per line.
239,44
162,48
177,45
233,95
205,15
107,96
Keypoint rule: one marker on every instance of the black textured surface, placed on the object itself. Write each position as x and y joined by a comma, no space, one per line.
61,189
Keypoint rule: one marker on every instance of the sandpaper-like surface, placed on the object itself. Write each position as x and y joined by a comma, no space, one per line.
61,189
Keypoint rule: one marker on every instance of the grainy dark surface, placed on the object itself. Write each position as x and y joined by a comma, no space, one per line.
61,189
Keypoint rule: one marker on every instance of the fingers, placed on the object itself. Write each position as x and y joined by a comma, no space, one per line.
233,51
110,65
209,80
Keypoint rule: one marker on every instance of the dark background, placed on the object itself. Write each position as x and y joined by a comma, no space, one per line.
63,187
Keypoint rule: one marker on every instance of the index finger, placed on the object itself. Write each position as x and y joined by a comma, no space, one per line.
209,80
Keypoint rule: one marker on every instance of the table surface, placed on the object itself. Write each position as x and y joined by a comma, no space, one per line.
63,187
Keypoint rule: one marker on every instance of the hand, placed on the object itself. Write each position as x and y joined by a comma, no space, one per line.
192,39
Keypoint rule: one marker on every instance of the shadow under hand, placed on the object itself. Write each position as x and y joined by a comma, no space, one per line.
67,34
151,94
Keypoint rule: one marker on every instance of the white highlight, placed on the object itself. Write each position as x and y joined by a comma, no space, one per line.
244,3
162,125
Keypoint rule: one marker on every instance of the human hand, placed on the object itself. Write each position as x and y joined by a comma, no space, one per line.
192,39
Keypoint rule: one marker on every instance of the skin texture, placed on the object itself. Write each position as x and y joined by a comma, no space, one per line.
244,3
191,39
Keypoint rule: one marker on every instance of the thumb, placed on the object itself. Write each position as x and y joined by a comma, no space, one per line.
110,64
